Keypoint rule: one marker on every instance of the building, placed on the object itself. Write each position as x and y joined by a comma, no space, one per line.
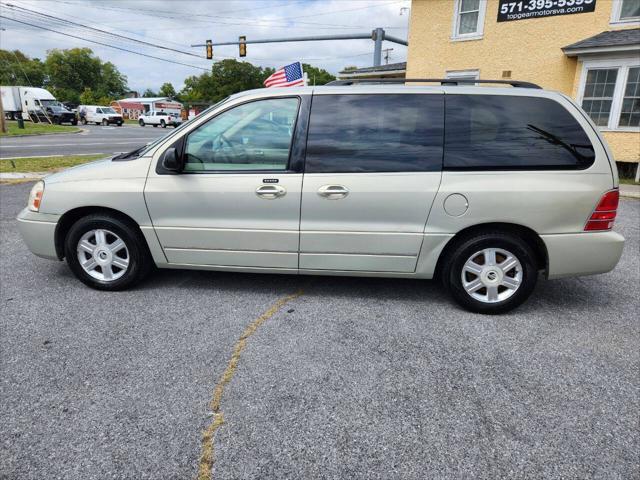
132,108
390,70
589,50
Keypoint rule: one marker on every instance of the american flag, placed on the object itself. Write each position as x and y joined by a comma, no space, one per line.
288,76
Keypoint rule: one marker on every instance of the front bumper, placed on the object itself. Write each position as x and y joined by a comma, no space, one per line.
38,231
576,254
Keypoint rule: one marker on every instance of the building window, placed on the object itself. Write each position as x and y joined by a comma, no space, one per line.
625,11
598,94
610,93
630,112
468,21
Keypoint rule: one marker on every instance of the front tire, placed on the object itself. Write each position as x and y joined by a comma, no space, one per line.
490,273
105,123
141,122
107,253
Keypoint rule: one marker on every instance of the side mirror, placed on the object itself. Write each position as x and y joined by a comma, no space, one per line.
172,161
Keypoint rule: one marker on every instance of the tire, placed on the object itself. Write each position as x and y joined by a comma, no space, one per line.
500,285
57,120
119,124
141,122
105,122
83,121
134,255
163,124
74,122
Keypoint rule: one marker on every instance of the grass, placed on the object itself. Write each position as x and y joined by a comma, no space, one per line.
45,164
628,181
36,129
131,122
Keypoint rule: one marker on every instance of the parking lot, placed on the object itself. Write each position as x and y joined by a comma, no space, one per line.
355,378
93,139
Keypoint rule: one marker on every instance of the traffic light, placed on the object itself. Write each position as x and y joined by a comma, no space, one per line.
242,45
209,50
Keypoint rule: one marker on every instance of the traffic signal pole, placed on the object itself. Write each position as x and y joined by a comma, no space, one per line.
377,35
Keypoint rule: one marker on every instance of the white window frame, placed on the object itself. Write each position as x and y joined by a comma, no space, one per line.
616,10
623,65
478,34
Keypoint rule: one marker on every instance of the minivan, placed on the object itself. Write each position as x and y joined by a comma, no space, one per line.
484,188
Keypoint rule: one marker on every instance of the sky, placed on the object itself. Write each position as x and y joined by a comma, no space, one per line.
178,24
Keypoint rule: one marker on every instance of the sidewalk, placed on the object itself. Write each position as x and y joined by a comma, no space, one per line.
632,191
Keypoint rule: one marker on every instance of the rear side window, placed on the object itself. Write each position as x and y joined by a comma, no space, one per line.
375,133
500,132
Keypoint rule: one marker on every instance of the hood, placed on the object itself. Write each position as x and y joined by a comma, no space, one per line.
103,169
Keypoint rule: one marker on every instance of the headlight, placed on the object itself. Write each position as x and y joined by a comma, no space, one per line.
35,197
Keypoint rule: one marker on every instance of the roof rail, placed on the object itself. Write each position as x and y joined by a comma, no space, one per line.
441,81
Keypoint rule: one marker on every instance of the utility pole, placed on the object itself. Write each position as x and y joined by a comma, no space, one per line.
377,35
386,55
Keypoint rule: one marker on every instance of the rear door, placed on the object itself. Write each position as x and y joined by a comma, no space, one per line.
373,167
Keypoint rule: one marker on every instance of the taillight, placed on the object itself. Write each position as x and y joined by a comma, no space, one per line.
605,213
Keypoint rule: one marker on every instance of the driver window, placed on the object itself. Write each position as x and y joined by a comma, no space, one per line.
253,136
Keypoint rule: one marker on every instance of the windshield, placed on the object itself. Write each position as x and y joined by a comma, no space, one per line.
108,110
144,149
49,103
58,108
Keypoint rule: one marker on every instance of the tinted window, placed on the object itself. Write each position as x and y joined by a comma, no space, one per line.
252,136
510,132
375,133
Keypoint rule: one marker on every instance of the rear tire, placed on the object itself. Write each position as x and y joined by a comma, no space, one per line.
105,123
163,124
490,273
115,259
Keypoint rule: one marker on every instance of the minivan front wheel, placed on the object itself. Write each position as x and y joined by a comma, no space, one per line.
491,273
106,253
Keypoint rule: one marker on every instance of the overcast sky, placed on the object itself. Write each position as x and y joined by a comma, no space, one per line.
179,24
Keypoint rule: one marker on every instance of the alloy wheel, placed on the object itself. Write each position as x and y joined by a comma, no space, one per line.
103,255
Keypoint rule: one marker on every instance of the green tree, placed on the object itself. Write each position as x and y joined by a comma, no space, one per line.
317,76
167,90
16,68
71,71
149,93
88,97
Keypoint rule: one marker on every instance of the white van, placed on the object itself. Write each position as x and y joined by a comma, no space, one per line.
99,115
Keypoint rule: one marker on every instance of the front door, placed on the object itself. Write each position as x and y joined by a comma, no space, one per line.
373,167
237,202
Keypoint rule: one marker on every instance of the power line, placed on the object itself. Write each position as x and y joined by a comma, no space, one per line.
104,44
103,31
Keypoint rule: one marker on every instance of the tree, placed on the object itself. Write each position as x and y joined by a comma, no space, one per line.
72,71
88,97
167,90
149,93
16,68
349,68
317,76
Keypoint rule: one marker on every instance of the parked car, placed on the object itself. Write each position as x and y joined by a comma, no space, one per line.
484,191
159,118
99,115
59,115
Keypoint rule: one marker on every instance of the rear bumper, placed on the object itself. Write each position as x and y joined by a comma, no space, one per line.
38,231
586,253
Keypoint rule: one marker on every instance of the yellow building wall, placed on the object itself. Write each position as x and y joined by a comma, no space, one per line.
530,49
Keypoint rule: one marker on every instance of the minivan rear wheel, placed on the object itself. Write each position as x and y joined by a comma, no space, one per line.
107,253
490,273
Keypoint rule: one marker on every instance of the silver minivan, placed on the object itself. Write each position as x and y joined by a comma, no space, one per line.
481,187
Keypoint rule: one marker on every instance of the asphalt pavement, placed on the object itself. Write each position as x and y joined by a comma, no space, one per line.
93,139
356,378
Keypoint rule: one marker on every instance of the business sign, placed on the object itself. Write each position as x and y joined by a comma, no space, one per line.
509,10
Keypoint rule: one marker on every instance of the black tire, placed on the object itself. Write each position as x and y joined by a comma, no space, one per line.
463,250
74,122
163,124
119,124
57,120
141,122
105,122
83,121
140,261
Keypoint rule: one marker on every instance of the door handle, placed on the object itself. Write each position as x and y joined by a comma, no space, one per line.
333,192
270,192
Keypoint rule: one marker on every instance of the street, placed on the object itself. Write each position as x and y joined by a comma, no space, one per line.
94,139
356,378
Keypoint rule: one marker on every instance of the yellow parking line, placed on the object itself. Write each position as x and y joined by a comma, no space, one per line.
206,454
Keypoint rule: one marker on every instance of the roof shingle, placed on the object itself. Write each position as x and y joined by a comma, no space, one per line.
613,38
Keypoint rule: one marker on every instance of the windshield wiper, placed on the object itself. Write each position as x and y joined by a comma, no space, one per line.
131,154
